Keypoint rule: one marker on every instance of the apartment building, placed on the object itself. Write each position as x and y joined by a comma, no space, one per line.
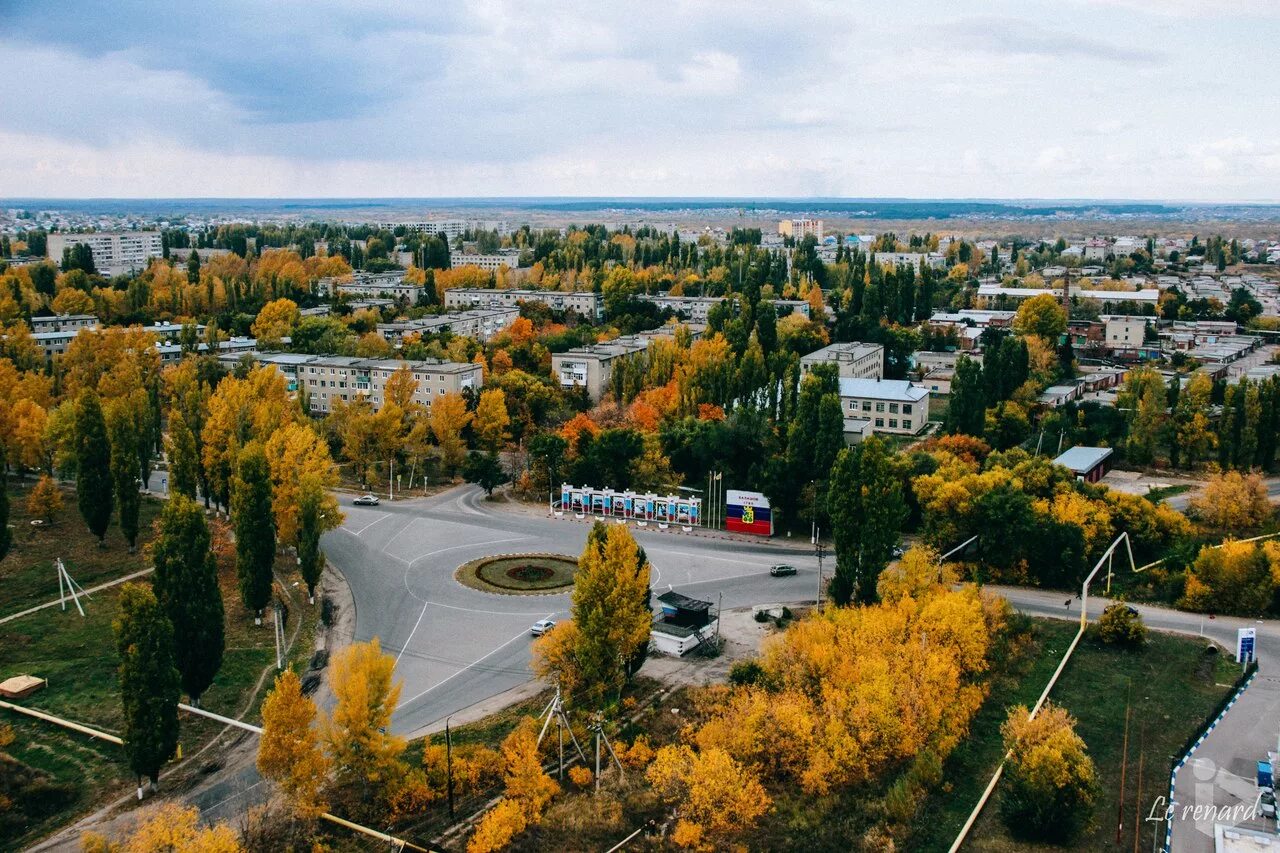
893,406
852,359
592,366
584,303
695,308
329,378
64,323
449,227
478,323
232,348
994,295
492,262
918,260
388,285
800,228
114,252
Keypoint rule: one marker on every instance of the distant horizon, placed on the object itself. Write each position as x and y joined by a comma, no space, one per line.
653,199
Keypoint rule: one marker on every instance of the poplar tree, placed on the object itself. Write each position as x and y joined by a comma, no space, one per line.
124,475
148,681
184,464
310,525
967,409
93,466
186,584
866,508
252,520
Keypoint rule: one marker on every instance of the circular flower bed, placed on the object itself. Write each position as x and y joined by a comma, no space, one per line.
519,574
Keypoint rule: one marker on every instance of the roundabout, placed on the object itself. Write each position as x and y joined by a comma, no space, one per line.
519,574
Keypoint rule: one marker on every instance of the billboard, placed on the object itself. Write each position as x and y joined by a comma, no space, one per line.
664,509
747,512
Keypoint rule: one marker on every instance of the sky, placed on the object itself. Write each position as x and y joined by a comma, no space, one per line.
1134,99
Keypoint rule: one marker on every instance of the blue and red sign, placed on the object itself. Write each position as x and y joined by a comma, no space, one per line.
748,512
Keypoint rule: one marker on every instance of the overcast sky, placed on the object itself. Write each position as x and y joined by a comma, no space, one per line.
1159,99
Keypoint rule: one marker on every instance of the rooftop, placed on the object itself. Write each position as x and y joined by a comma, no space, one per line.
882,389
1082,459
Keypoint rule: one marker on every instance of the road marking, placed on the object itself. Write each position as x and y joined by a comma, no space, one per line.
357,533
523,633
468,545
693,555
411,633
412,519
487,612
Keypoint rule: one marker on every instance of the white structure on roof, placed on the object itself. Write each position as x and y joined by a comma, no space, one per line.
892,405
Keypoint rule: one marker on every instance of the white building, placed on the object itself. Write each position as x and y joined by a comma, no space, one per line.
64,323
509,258
695,308
1125,333
893,406
852,359
114,252
478,323
918,260
584,302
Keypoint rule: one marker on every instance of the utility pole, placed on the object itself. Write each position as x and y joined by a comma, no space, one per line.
391,481
448,759
819,550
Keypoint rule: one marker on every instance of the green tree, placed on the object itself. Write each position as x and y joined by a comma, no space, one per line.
124,474
967,408
186,584
866,507
254,526
184,461
93,466
310,526
193,267
1041,316
148,681
485,470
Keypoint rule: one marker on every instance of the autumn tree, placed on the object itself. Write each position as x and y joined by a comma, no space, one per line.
6,537
186,584
1233,502
916,575
276,320
449,417
149,688
45,500
491,419
365,756
93,466
1121,625
1050,784
866,507
715,797
1041,316
498,827
1235,577
169,828
525,782
289,752
296,454
184,463
254,526
610,618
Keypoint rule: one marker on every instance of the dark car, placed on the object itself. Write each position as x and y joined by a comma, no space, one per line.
782,571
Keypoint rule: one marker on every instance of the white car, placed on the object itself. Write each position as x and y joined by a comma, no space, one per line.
541,627
366,500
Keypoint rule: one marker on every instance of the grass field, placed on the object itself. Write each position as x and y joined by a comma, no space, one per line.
1173,686
77,656
519,574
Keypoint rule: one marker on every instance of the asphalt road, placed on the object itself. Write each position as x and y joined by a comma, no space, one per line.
456,646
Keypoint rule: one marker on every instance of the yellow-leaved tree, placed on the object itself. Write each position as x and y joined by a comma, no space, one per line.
296,454
715,797
449,417
276,320
595,653
1233,502
289,752
527,792
169,828
492,419
367,771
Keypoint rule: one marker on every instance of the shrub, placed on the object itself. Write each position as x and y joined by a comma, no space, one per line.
746,672
1121,625
1051,784
761,616
581,776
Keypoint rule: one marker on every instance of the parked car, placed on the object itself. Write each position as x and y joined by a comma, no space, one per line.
366,500
782,571
541,627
